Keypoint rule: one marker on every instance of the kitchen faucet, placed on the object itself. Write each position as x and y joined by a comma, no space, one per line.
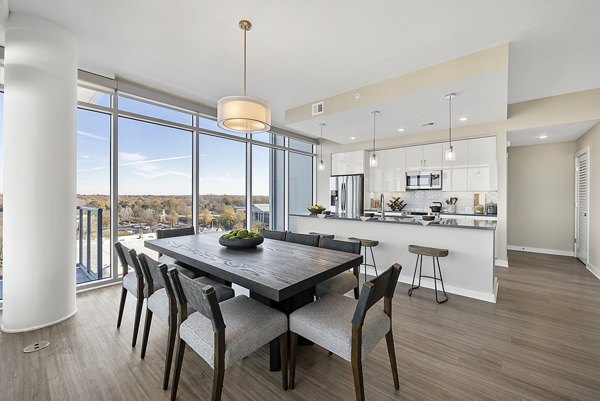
382,201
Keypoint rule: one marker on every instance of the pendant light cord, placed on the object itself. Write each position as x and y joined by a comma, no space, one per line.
321,144
450,119
245,32
374,118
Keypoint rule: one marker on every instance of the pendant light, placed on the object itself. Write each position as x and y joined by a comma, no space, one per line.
373,158
244,113
450,153
321,164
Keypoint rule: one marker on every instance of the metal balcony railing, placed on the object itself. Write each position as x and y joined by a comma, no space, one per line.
85,258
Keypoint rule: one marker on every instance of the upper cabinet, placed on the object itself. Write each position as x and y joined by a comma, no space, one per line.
424,157
455,174
390,173
483,166
348,163
377,174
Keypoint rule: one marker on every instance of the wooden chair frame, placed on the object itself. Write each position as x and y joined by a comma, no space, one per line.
345,246
128,257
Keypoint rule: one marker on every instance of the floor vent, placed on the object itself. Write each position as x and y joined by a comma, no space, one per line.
36,346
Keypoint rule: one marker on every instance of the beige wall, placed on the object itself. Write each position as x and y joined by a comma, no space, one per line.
541,196
592,139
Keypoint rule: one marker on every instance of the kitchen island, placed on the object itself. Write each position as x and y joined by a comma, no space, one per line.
468,270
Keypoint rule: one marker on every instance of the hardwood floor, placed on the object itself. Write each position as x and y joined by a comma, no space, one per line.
541,341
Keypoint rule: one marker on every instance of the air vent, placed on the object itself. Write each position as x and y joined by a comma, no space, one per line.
429,124
318,108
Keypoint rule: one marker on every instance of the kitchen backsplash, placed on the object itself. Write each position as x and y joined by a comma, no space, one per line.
421,200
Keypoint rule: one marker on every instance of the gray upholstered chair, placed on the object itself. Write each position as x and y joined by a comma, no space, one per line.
177,232
272,234
224,333
343,282
303,239
133,282
349,328
162,303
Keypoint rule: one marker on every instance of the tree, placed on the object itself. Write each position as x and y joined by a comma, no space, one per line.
228,217
205,217
125,214
173,218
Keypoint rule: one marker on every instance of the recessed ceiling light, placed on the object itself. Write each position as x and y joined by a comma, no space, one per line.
353,137
543,136
400,129
463,118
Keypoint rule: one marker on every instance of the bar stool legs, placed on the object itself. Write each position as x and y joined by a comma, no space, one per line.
372,260
419,265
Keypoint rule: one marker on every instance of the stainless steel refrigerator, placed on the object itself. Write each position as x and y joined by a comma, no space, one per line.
347,195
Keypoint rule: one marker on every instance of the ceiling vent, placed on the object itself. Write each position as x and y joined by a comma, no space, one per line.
318,108
429,124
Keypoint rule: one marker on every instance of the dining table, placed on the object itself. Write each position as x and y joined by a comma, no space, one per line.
280,274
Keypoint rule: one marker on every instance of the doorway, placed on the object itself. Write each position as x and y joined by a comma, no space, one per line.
582,179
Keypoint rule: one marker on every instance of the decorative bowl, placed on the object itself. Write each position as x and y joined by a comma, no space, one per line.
365,218
321,215
244,243
315,209
429,217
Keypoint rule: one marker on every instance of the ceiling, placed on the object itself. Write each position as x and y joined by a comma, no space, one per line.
299,52
556,133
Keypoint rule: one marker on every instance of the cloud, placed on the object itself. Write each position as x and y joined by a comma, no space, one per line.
143,166
91,135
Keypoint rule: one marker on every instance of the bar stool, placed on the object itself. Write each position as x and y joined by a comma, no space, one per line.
367,243
435,254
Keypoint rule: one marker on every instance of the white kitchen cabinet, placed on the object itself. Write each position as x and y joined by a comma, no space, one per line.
433,156
425,157
483,166
395,172
377,174
455,174
348,163
414,158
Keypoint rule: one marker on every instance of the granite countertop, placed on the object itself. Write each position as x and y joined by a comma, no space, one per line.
442,212
414,220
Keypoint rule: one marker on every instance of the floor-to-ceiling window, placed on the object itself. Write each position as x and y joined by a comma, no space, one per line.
300,184
1,191
155,180
222,183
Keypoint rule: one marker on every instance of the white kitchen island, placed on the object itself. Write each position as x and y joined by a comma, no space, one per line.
468,270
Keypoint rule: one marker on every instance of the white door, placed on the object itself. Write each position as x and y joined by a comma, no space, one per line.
581,206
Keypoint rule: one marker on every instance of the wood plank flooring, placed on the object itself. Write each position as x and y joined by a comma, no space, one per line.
541,341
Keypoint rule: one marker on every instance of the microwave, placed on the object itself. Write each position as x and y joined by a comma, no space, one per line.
424,180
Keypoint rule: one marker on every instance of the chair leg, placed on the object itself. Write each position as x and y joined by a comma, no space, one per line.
138,316
170,347
177,369
219,372
146,333
373,260
292,362
356,293
389,338
283,346
357,372
121,306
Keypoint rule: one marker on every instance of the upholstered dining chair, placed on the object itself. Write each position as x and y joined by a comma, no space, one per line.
343,282
133,282
177,232
303,239
349,328
273,234
162,303
224,333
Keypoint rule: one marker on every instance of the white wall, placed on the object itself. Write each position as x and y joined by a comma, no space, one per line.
541,197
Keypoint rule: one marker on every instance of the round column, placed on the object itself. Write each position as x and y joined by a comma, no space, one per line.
40,106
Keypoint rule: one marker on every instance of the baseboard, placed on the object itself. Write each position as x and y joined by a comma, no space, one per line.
501,262
5,330
540,250
594,270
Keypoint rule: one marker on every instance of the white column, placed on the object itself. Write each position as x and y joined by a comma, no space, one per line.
40,109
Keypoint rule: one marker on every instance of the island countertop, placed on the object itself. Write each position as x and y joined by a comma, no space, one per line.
444,222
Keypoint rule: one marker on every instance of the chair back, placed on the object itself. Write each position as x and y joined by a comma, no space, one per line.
302,239
272,234
381,286
175,232
154,279
202,298
342,246
128,258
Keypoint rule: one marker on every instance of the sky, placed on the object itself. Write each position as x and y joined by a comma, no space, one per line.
157,160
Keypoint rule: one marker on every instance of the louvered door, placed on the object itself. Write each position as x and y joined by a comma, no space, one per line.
582,201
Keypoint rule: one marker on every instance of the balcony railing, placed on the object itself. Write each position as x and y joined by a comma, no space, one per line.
85,270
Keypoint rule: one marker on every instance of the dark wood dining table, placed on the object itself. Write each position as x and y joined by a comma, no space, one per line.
280,274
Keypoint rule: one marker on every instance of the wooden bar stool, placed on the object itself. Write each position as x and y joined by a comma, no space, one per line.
367,243
435,254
